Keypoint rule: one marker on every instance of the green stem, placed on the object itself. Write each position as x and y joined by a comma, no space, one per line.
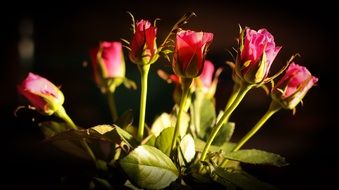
144,69
241,94
235,92
112,105
274,107
63,115
185,84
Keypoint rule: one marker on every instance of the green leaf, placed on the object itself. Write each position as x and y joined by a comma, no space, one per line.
185,120
51,128
187,149
103,129
133,130
149,168
253,156
168,120
160,123
120,142
125,136
207,115
226,147
101,183
69,141
224,134
71,147
79,135
115,134
106,148
203,114
240,179
150,140
164,141
125,120
131,186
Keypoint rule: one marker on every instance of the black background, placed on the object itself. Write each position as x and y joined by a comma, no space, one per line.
64,33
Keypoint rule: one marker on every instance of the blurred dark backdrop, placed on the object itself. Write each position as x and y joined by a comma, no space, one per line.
52,39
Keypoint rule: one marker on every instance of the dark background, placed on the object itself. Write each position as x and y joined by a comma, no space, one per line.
63,33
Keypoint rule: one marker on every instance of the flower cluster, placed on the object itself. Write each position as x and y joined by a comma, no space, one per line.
192,144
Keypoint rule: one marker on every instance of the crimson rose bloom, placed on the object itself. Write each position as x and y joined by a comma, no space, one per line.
143,44
293,86
43,95
189,53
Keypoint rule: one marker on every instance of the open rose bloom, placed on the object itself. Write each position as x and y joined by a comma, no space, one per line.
294,85
42,94
257,53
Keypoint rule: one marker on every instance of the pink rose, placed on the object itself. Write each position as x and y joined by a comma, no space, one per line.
257,53
108,62
143,44
43,95
189,53
206,76
293,86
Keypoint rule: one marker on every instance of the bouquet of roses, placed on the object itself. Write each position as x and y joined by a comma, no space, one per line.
191,146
